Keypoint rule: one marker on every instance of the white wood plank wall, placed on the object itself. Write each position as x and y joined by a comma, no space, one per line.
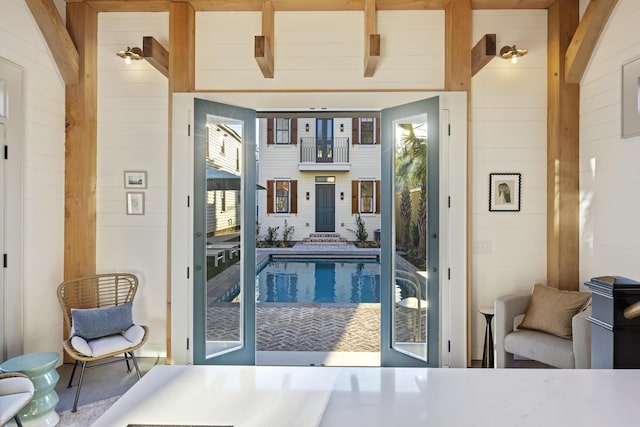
132,136
509,134
609,172
43,178
320,50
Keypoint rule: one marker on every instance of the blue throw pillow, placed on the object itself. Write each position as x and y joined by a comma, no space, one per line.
100,322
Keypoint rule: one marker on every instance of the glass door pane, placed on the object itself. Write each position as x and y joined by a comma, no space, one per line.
410,234
224,253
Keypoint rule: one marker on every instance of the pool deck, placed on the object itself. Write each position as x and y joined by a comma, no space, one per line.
303,327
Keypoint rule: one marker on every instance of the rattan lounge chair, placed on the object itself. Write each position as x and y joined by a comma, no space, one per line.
98,333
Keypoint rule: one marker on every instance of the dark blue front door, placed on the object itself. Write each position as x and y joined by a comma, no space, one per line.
325,207
324,140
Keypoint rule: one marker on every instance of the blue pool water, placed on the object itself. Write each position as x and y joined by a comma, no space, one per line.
319,281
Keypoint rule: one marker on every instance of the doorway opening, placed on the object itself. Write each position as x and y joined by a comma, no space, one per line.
291,147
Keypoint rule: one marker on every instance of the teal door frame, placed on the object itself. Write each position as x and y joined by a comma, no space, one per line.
246,353
389,355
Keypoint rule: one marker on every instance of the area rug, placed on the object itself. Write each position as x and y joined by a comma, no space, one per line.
86,414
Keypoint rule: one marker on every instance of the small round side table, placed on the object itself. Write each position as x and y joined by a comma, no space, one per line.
487,353
41,370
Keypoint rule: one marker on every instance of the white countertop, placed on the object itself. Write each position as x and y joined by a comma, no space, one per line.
250,396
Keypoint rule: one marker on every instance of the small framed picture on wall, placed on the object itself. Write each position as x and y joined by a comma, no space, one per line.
504,192
135,179
630,113
135,203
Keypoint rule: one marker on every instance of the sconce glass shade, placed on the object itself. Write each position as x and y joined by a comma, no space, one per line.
131,54
512,53
306,127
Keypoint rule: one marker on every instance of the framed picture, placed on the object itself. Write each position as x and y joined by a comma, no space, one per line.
630,105
504,192
135,203
135,179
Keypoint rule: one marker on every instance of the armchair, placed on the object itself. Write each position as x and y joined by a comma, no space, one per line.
536,345
16,391
97,313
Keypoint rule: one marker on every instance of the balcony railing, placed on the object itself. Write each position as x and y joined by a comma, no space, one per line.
335,150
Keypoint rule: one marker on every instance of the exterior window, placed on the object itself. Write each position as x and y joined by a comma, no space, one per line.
223,201
237,159
282,130
367,197
367,130
222,144
282,196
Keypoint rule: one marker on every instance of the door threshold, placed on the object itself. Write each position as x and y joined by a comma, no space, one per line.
317,358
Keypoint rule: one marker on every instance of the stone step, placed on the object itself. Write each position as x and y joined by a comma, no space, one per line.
320,238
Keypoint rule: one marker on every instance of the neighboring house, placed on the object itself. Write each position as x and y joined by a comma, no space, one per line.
320,172
223,165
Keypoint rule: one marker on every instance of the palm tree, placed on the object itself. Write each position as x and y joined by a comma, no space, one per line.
405,215
411,157
411,171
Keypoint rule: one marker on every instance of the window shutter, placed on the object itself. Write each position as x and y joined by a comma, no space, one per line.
270,126
293,190
377,196
293,132
270,187
355,132
354,197
377,120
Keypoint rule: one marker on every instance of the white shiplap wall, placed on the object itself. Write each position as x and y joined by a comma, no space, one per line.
609,172
509,113
132,136
320,50
43,177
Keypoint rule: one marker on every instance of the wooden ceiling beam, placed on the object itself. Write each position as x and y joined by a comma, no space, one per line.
482,53
129,5
156,54
371,38
264,44
303,6
512,4
58,39
586,37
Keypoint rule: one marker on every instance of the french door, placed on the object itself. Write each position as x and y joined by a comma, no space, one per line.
224,328
3,352
410,301
224,234
324,140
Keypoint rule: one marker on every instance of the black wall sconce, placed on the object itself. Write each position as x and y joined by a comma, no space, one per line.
342,195
341,127
306,127
307,195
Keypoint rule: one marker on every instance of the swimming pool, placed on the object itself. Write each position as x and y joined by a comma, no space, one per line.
347,281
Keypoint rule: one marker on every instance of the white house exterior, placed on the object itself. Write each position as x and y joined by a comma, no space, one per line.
319,171
223,154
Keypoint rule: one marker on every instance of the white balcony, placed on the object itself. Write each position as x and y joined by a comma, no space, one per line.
324,155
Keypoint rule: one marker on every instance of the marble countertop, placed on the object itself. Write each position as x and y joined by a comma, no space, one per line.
250,396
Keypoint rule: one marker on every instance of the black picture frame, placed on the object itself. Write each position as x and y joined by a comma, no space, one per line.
505,192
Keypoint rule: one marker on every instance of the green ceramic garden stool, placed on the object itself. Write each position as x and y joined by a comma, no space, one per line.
41,369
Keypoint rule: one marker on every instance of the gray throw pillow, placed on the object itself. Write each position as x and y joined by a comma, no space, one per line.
100,322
